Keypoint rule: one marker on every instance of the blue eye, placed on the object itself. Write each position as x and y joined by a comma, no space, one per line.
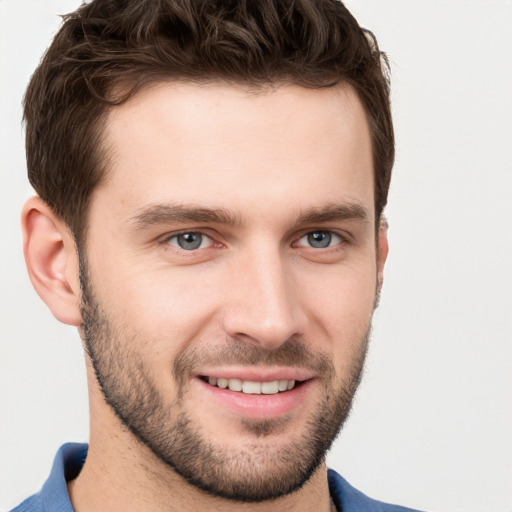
320,239
190,241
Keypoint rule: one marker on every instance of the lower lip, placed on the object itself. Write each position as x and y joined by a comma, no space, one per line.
258,406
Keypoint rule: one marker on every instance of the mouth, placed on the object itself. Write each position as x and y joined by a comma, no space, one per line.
256,393
250,387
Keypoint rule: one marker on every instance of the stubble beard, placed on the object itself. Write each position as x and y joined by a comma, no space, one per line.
263,470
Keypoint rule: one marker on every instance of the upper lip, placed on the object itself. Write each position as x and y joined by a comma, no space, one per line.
257,373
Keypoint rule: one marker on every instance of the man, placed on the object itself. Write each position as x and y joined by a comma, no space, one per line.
211,181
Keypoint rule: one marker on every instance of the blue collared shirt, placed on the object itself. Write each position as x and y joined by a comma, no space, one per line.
54,497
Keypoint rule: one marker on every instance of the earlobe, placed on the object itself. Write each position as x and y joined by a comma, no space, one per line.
51,260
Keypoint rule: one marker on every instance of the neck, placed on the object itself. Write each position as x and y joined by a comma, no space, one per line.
123,475
120,481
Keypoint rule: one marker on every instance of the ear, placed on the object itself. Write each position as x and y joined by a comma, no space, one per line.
52,260
382,251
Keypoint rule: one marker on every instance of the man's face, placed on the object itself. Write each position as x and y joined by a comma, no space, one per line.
230,278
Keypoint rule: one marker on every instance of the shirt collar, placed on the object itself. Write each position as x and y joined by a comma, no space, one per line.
67,464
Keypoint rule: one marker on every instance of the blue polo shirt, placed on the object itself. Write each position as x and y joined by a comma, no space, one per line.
54,497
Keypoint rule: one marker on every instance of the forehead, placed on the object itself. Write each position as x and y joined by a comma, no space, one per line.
222,146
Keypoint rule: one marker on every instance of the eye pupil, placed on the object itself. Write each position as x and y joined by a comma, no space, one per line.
319,239
190,241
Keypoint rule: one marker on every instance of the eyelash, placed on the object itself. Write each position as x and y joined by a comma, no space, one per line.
330,234
175,236
340,240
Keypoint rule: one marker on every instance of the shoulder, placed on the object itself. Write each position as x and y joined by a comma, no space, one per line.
349,499
54,497
32,504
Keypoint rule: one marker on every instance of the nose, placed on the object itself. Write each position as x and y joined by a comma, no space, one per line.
264,301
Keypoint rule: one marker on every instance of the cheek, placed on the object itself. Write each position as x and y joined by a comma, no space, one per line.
347,285
167,308
341,303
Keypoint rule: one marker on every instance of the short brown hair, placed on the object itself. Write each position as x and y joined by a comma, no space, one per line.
108,46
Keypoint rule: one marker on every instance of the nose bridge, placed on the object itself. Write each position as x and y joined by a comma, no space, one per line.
263,304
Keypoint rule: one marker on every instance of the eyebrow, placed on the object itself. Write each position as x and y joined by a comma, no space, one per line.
158,214
334,212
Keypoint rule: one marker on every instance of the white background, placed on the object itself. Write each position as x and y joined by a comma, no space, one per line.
432,425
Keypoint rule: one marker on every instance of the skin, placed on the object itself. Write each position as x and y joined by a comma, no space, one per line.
266,159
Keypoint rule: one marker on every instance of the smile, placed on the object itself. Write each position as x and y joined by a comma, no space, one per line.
251,387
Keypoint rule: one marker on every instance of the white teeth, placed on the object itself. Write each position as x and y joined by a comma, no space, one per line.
270,388
235,385
222,383
252,387
283,385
